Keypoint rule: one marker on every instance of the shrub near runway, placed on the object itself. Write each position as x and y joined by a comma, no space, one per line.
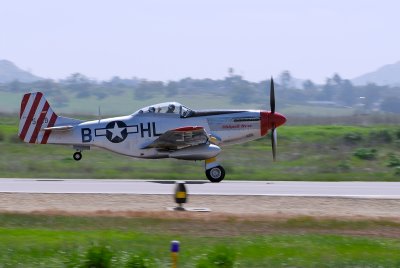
323,153
57,241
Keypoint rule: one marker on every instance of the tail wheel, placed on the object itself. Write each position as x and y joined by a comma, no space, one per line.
215,174
77,156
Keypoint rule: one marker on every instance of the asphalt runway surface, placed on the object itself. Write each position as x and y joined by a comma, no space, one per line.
239,199
380,190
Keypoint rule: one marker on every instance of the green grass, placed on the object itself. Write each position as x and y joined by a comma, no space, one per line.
58,241
314,110
319,153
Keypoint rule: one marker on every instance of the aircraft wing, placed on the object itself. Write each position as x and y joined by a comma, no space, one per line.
180,138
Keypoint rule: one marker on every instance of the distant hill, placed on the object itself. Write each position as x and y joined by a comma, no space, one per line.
10,72
386,75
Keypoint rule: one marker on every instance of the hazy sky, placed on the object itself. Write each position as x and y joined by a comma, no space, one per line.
174,39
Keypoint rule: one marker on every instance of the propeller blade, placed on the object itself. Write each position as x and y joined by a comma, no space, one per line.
273,142
272,96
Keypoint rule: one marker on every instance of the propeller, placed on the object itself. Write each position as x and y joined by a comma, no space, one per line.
272,96
271,120
273,129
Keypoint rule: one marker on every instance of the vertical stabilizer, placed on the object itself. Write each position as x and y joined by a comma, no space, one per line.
35,115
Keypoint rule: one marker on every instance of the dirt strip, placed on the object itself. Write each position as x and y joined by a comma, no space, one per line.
236,206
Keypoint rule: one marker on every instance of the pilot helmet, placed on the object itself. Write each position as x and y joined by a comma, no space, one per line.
171,107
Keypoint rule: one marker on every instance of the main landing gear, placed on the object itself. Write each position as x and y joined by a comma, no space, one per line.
77,156
214,172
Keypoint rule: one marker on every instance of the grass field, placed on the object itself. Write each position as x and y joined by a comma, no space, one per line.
320,153
58,241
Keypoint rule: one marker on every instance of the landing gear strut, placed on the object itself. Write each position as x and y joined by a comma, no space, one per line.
77,156
214,172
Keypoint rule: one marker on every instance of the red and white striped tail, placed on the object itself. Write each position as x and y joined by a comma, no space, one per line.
35,114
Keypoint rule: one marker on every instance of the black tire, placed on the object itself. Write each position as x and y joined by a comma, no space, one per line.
77,156
215,174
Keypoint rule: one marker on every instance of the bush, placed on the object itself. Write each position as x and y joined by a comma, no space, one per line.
344,166
394,161
397,143
382,136
139,261
2,136
72,259
220,257
97,257
366,153
352,137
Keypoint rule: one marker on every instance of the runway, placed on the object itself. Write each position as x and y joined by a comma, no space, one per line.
381,190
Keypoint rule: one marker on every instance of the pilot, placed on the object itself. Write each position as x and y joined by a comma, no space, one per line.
152,110
171,108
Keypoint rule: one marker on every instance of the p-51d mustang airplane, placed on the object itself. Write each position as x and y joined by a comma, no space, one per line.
165,130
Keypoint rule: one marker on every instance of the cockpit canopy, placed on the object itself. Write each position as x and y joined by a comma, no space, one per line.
167,108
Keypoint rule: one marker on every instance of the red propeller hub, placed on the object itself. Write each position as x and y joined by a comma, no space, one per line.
269,120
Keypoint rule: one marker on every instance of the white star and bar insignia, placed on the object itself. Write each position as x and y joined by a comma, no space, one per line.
116,131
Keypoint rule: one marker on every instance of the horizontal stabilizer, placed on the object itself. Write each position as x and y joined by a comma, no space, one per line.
59,128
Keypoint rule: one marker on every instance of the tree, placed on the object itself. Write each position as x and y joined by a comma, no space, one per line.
339,90
337,80
77,78
309,85
172,89
285,79
79,83
48,86
328,91
241,90
148,89
391,105
347,93
372,94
